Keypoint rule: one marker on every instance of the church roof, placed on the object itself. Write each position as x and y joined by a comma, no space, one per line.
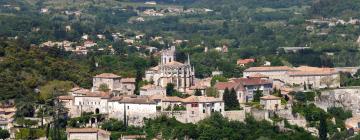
174,64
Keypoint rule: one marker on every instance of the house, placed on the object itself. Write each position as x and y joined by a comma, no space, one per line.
245,87
152,90
243,62
353,123
89,43
135,108
270,102
127,86
87,134
111,80
191,109
7,114
114,83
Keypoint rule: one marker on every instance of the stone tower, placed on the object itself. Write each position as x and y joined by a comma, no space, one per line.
168,56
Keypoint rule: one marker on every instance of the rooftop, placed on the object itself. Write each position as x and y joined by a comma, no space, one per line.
270,97
245,61
107,75
268,68
127,80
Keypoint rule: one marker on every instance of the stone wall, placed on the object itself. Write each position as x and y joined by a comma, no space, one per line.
238,115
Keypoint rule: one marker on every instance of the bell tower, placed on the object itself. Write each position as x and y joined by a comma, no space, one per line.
168,55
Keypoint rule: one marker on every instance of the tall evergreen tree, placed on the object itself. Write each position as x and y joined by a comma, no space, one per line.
197,92
226,98
170,89
234,100
323,127
257,95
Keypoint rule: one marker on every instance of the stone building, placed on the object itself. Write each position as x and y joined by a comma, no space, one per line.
114,83
152,90
270,102
171,71
312,77
87,134
245,87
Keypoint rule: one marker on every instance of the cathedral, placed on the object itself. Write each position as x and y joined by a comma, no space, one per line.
171,71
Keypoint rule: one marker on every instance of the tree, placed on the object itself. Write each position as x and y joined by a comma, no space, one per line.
197,92
104,88
226,98
4,134
211,92
323,127
234,100
170,89
257,95
230,100
48,89
138,80
216,79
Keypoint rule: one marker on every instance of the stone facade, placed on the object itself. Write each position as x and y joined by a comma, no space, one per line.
170,71
115,83
245,87
310,76
87,134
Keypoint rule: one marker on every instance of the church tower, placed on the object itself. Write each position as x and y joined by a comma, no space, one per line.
168,55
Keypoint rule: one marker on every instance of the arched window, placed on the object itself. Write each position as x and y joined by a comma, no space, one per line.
97,111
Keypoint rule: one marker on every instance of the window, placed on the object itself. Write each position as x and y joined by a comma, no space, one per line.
128,107
203,110
212,110
192,112
220,110
194,105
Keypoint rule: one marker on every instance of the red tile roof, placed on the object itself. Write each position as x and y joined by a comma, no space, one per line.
269,68
251,81
245,61
224,85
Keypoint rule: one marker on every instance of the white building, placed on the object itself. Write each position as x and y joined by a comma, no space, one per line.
87,134
171,71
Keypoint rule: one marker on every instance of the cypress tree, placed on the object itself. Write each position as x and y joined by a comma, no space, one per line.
323,128
226,99
234,100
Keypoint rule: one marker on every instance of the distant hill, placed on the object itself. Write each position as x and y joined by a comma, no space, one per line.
336,8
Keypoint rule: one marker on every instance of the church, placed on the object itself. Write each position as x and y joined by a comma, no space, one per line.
171,71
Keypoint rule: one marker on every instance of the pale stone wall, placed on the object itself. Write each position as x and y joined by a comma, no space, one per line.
271,104
88,104
112,83
237,115
87,136
156,91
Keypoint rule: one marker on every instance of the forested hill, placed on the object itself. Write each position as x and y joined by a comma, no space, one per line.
336,8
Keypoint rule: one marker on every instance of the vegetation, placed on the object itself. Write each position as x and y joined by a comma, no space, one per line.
218,127
230,99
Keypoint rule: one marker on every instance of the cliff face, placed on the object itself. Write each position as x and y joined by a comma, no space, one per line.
347,98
